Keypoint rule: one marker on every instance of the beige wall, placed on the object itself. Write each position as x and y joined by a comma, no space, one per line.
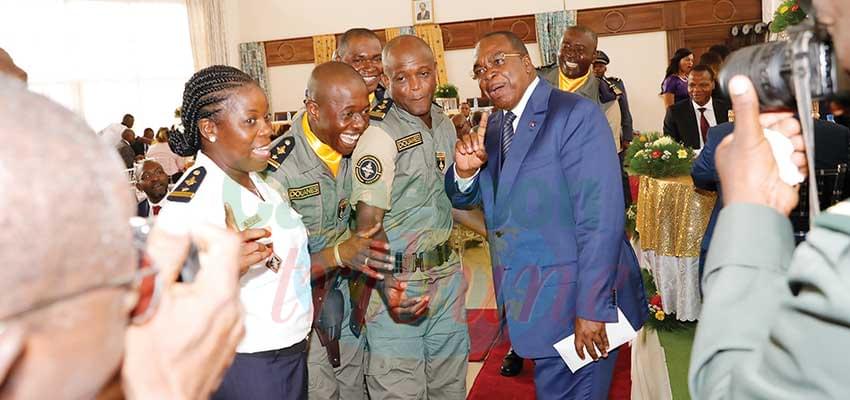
260,20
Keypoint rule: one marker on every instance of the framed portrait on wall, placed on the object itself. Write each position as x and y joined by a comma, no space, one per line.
423,12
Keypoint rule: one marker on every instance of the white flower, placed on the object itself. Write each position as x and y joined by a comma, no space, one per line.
639,153
667,153
664,140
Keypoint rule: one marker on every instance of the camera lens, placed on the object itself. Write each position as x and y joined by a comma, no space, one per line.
769,68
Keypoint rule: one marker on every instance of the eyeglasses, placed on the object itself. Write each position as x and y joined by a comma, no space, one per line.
495,61
144,281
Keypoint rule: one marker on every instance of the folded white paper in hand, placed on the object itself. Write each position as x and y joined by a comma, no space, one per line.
782,149
619,332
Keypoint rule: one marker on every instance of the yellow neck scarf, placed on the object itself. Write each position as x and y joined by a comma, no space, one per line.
372,98
326,153
570,85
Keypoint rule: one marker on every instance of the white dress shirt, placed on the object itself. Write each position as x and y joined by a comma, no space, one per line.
709,115
112,134
278,305
463,184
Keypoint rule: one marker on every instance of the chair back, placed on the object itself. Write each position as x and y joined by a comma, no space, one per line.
831,190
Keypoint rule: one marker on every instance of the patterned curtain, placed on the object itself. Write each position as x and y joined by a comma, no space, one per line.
323,48
253,57
207,32
432,35
550,32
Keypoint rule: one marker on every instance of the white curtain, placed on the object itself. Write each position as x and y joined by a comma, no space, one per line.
208,33
103,59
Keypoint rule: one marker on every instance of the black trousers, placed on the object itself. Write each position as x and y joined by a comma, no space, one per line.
275,374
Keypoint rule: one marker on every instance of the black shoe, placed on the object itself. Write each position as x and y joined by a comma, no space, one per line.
511,365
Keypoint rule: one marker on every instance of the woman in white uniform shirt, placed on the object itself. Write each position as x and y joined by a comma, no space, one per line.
225,116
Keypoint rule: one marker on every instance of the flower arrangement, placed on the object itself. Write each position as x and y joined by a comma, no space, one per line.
658,156
659,319
787,14
446,91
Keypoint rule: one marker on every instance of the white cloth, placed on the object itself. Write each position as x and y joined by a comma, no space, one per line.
161,153
463,184
677,279
278,306
709,116
112,134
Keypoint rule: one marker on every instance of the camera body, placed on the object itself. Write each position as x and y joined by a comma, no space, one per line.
772,68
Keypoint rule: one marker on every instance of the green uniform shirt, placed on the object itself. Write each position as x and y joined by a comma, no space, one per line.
313,191
399,166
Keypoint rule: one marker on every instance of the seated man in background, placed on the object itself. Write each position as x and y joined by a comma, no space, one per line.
687,121
70,278
152,180
125,148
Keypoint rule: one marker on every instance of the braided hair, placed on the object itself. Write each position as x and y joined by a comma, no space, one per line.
202,96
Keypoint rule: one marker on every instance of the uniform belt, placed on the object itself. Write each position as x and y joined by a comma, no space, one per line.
423,260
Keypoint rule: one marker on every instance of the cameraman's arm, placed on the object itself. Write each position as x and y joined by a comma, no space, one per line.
744,283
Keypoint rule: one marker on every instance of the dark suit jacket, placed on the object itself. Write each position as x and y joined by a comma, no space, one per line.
832,147
139,148
681,123
143,209
554,215
127,154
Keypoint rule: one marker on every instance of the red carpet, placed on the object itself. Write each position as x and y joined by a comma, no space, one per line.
491,385
483,325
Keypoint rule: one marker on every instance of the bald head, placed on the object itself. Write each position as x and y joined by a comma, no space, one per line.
8,67
71,204
407,46
329,78
578,51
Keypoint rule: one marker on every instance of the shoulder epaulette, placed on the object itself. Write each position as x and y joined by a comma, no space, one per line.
379,112
611,82
547,66
189,186
279,153
613,78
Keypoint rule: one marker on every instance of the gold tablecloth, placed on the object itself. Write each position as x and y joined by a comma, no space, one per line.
672,215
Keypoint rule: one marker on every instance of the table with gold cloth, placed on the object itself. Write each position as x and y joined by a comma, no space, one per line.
671,219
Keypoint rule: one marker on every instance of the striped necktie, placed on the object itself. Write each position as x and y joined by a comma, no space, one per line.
507,133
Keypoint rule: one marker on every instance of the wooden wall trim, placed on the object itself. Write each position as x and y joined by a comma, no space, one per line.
677,17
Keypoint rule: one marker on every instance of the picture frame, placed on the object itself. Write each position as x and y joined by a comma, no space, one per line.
423,11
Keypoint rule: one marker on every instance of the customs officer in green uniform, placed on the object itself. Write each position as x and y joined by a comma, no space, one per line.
316,177
419,347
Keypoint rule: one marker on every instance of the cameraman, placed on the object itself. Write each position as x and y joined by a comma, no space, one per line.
773,326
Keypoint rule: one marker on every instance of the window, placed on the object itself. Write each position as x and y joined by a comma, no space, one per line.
103,58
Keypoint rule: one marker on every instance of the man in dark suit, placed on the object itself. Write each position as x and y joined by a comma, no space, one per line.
688,121
553,206
125,148
832,147
152,180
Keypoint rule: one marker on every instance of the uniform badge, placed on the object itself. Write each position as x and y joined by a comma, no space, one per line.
273,263
251,221
441,160
340,211
379,112
279,153
305,192
368,170
408,142
186,189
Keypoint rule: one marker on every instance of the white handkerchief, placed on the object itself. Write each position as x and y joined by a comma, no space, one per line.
618,332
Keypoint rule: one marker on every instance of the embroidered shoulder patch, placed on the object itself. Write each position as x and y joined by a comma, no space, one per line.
279,153
187,188
305,192
379,112
408,142
368,170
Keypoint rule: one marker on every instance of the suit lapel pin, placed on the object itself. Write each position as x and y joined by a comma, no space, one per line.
532,124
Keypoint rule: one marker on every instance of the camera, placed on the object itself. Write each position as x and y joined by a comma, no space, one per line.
809,57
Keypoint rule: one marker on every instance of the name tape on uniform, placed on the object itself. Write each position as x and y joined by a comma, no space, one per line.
304,192
408,142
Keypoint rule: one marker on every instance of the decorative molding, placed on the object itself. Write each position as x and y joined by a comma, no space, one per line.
687,23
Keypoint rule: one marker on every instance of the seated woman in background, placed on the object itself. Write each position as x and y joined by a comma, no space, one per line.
674,88
159,151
